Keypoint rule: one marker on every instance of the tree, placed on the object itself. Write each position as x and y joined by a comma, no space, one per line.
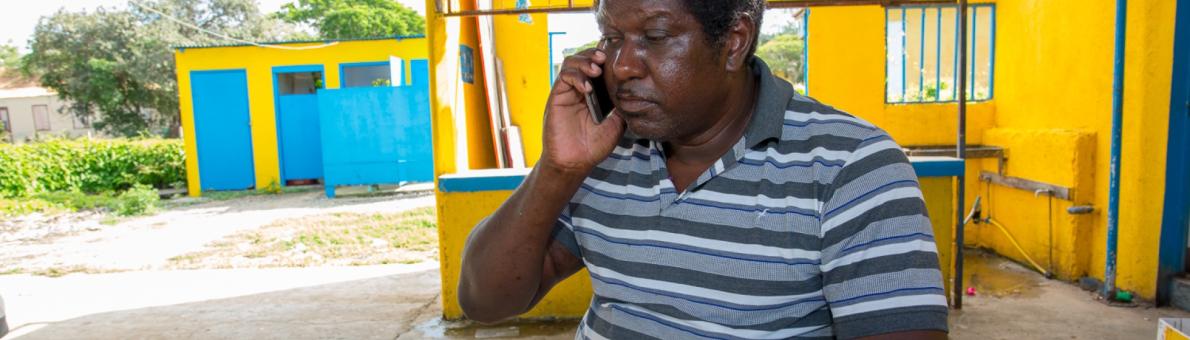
10,57
784,53
115,68
345,19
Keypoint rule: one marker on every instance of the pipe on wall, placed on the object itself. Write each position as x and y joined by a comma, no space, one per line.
1117,116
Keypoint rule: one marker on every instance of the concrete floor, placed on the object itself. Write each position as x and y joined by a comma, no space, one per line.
402,302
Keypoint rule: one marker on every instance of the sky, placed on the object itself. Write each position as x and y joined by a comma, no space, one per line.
19,17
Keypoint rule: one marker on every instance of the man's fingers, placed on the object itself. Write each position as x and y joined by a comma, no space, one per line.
588,62
572,80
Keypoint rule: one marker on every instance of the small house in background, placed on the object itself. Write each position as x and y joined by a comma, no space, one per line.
336,112
29,112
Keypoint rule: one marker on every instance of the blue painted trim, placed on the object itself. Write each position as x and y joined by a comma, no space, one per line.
1176,214
937,166
904,43
974,51
483,180
887,68
992,44
921,57
1113,187
278,70
344,66
510,179
553,77
938,55
954,74
298,68
806,50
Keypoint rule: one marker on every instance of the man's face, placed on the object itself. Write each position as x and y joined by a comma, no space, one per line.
663,75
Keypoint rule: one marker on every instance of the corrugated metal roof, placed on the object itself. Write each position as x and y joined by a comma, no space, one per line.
315,41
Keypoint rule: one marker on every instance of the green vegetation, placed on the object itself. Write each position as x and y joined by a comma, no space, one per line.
344,19
115,66
89,166
75,175
334,239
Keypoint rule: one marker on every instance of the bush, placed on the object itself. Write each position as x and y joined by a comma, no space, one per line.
90,166
139,200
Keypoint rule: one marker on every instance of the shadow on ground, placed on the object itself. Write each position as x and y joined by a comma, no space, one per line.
244,304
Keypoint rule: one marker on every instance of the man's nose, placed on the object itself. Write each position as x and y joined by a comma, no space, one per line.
628,61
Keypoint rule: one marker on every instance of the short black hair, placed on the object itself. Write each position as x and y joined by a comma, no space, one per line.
717,17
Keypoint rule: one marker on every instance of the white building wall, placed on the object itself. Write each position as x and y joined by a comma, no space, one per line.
20,113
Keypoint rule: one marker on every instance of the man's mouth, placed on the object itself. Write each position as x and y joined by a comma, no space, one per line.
633,105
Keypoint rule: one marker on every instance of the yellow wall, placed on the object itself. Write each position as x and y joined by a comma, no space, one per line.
525,52
258,62
1051,110
458,213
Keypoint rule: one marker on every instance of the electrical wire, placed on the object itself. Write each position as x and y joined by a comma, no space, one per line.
227,37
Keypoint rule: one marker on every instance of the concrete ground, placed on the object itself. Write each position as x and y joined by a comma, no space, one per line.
141,299
403,302
379,302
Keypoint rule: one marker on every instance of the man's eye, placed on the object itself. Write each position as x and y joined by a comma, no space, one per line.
611,40
656,36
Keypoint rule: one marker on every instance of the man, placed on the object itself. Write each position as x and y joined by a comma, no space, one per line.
714,202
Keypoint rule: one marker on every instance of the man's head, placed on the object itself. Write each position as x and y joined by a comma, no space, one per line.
673,63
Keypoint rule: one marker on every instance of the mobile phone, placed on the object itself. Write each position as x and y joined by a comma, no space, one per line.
599,102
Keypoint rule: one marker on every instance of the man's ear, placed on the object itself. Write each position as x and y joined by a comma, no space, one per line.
739,42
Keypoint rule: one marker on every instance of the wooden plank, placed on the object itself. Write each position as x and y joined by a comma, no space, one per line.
1028,185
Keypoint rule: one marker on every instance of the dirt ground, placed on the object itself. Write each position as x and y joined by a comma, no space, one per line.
82,243
116,282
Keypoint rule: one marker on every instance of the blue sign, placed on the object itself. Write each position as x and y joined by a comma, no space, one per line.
467,63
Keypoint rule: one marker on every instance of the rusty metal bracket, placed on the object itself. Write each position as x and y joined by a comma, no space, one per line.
1035,187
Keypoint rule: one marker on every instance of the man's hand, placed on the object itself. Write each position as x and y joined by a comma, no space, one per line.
573,141
510,261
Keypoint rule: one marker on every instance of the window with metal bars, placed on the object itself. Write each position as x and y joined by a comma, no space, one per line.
922,56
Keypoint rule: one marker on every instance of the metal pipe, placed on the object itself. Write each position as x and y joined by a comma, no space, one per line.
962,154
1117,118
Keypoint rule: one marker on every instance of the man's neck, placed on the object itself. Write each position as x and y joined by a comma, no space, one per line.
732,122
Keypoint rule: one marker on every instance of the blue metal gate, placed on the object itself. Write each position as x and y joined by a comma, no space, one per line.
222,129
377,135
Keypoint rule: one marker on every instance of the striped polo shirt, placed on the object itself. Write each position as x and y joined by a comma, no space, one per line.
811,226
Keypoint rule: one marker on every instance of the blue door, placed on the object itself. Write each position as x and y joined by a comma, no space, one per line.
417,126
222,129
298,140
1175,225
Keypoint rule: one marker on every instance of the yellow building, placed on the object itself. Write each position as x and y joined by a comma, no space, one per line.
249,111
1040,118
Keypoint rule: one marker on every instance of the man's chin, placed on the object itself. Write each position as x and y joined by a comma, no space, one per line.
649,130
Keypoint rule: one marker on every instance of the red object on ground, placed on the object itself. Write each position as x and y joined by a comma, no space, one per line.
970,291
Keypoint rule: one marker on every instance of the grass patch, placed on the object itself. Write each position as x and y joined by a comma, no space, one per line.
334,239
55,272
139,200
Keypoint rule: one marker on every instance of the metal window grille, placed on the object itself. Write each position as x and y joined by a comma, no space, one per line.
922,61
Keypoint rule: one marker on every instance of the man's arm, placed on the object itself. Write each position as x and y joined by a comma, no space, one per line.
510,262
880,268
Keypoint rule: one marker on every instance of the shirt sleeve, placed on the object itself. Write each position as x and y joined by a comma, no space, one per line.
564,233
879,263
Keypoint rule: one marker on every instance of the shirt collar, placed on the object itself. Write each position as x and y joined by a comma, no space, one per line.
768,117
